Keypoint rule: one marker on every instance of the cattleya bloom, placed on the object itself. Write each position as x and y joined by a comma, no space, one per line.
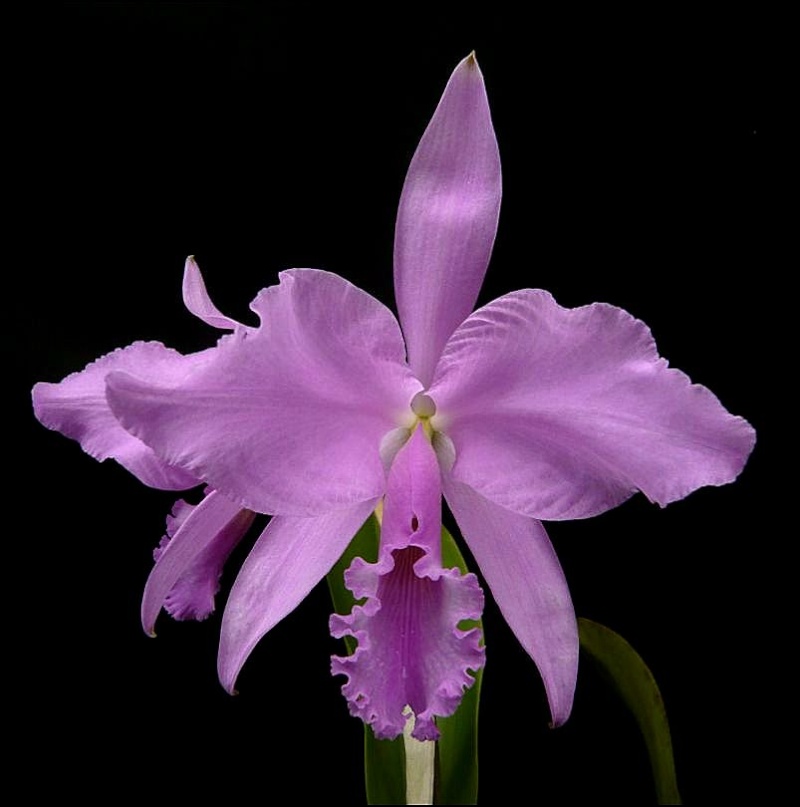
199,539
519,412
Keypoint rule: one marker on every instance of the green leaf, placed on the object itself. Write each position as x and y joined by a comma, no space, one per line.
384,769
635,684
457,749
456,761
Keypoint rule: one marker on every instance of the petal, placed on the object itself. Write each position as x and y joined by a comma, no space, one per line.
176,518
410,648
563,413
288,418
196,299
189,562
447,219
287,561
522,570
77,408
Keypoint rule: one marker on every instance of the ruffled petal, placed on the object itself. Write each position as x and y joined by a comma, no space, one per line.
410,648
522,570
287,561
563,413
447,219
77,408
196,299
190,558
288,418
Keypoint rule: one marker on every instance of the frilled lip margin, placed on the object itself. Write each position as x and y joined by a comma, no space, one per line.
410,651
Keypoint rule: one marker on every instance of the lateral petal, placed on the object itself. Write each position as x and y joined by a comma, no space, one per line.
287,418
77,408
196,299
563,413
287,561
522,570
189,559
447,219
411,650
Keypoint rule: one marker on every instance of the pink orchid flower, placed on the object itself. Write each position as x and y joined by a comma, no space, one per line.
199,539
519,412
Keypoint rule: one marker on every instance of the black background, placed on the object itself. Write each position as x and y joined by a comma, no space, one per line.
641,167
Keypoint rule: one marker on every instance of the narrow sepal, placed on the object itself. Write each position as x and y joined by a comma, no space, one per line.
447,219
290,557
522,571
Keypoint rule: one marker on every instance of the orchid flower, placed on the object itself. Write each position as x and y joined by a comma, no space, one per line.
331,409
77,408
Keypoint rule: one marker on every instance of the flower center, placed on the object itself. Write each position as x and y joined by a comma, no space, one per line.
423,406
423,410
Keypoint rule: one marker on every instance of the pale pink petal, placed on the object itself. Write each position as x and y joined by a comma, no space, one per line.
196,299
410,648
520,566
288,418
447,219
190,558
77,408
287,561
563,413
